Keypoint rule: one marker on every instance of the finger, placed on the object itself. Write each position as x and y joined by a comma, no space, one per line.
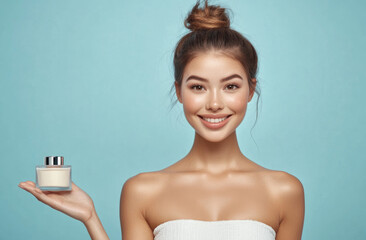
21,184
29,185
30,182
25,186
31,188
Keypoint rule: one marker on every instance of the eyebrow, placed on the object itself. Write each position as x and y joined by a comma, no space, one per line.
222,80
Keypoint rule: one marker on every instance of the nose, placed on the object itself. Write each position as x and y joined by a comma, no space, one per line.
214,101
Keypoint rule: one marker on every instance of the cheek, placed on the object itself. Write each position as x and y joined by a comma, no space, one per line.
238,102
192,102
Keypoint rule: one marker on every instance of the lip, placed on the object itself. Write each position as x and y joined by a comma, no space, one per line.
214,115
215,125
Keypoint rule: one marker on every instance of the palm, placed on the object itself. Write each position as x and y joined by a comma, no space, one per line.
75,203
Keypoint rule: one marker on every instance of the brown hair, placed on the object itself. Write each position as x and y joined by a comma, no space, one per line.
210,30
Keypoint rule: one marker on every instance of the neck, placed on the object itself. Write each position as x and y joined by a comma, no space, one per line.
215,157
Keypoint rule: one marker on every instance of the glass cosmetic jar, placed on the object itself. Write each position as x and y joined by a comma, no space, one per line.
53,175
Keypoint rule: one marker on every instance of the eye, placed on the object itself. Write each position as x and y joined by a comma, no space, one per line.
232,85
196,86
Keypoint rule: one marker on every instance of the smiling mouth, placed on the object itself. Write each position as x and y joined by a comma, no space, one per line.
215,119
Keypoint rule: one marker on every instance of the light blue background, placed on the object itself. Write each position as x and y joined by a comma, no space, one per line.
90,80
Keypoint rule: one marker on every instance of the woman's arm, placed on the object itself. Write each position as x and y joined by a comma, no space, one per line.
75,203
95,228
134,197
292,202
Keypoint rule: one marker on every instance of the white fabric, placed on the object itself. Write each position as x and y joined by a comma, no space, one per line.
192,229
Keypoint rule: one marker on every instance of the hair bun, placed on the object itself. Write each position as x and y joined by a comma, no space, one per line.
208,17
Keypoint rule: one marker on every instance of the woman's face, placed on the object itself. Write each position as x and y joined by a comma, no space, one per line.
214,86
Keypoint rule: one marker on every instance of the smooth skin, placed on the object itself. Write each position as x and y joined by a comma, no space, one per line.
75,203
214,181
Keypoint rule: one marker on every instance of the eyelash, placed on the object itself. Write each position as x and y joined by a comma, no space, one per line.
197,85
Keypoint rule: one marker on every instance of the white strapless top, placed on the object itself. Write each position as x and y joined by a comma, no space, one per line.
192,229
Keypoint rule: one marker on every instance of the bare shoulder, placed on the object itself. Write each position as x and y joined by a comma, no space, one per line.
284,186
140,180
285,183
288,193
142,185
136,194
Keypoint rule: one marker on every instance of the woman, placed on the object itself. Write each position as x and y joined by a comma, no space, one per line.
215,191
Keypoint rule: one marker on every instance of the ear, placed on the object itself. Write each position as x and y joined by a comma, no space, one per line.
177,91
254,81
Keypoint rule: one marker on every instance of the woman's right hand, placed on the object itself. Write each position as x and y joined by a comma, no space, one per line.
75,203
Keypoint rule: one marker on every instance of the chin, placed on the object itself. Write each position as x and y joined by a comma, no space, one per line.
214,136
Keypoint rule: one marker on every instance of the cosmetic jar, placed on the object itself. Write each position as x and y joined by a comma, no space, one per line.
53,175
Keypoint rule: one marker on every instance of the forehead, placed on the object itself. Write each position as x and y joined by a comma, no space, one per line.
213,65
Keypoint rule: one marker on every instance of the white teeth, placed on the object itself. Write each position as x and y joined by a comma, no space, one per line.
214,120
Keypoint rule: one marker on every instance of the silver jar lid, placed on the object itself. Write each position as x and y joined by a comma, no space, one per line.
54,160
